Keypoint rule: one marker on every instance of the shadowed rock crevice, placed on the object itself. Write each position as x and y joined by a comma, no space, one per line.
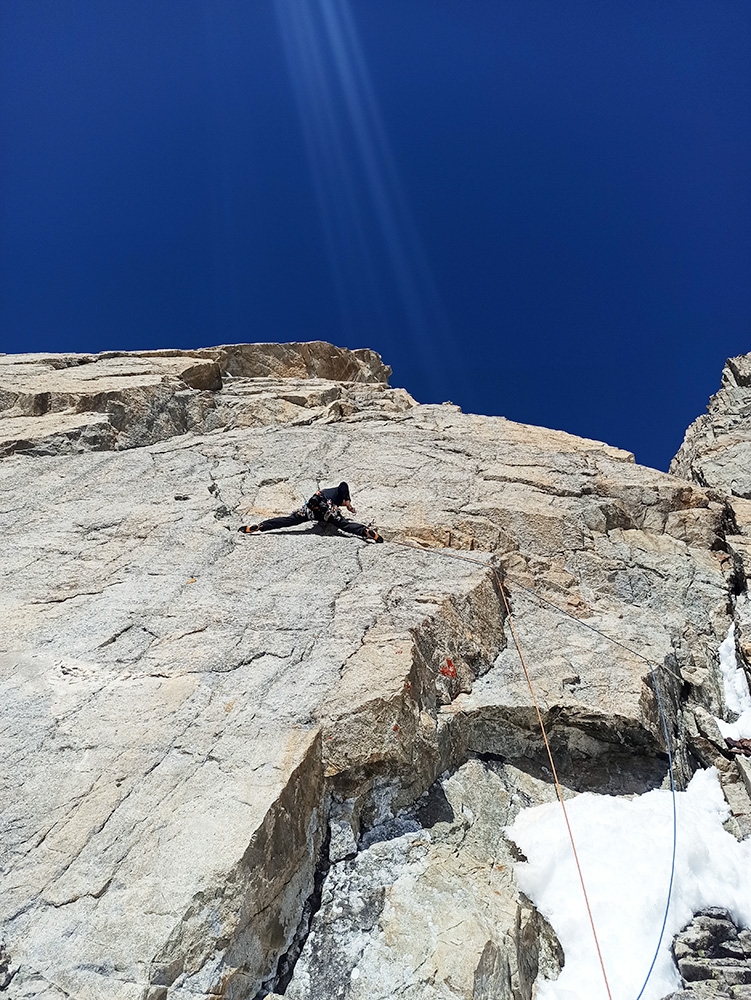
447,853
280,979
606,755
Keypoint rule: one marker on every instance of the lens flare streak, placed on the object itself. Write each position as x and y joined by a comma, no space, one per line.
380,269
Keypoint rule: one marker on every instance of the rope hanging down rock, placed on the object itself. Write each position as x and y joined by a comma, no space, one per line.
559,792
558,789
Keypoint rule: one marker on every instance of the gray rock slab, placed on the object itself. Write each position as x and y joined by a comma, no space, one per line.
182,704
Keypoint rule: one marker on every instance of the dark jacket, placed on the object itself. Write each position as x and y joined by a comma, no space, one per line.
336,494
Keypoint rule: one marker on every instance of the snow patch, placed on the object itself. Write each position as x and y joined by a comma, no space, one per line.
735,686
625,850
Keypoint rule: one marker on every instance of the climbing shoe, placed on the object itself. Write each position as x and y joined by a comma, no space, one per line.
248,529
372,535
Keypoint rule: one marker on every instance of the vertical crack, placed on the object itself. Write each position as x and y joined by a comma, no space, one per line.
285,966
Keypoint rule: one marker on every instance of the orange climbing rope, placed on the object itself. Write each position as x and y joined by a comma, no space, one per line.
558,789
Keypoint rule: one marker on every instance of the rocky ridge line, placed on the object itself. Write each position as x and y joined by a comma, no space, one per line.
716,450
54,404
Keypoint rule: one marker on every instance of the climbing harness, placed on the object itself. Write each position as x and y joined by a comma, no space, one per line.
318,508
559,792
306,511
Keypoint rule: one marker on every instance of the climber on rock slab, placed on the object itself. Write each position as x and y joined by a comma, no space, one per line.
323,506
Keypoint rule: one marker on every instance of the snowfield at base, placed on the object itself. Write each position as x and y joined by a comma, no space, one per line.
625,850
737,696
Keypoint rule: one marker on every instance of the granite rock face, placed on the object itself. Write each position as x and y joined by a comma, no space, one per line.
81,402
716,450
714,957
238,765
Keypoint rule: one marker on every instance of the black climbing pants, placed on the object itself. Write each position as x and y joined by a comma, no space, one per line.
283,522
297,517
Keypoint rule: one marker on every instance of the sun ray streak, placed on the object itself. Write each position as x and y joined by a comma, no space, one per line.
335,181
379,267
393,210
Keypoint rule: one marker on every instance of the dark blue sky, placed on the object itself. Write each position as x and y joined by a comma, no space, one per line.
534,208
